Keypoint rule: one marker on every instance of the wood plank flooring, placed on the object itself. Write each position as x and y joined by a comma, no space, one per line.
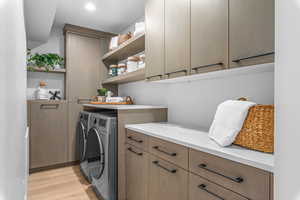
60,184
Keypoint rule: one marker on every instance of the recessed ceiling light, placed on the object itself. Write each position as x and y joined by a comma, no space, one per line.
90,6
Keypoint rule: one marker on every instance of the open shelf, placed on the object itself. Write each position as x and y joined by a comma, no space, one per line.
128,48
36,69
137,75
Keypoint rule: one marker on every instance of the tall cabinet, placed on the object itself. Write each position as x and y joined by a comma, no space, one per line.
85,71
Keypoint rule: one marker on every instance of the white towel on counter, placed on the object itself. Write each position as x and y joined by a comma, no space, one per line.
228,121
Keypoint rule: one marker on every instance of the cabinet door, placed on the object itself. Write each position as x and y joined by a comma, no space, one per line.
74,109
48,134
209,35
166,181
177,37
251,32
83,62
155,53
136,174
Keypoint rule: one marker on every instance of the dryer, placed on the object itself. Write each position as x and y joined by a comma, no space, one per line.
81,140
102,148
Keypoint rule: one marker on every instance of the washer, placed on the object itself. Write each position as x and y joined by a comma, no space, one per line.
102,160
81,140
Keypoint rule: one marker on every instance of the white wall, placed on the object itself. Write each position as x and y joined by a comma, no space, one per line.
193,104
287,99
55,44
13,101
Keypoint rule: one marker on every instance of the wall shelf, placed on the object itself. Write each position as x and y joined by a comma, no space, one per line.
36,69
137,75
128,48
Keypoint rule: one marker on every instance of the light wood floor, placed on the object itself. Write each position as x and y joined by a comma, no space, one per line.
59,184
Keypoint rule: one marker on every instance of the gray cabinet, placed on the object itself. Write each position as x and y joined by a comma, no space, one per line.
48,133
166,181
177,38
209,35
251,28
155,58
136,173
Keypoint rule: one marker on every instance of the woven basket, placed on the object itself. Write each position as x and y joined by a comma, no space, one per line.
258,129
124,37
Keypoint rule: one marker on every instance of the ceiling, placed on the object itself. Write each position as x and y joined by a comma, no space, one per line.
109,16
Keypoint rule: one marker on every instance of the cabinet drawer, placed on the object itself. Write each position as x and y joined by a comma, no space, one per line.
169,151
166,181
202,189
245,180
137,139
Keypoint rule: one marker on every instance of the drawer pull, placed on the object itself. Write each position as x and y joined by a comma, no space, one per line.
251,57
203,187
165,152
173,171
183,70
49,106
83,101
150,77
135,140
237,179
137,153
195,68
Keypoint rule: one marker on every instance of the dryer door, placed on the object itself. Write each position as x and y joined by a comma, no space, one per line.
81,141
95,153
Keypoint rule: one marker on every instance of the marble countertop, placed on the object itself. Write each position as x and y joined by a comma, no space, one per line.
124,107
199,140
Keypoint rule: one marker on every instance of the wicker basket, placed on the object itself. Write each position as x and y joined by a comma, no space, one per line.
258,129
124,37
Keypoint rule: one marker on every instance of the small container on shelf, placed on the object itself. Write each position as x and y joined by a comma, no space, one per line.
132,63
142,61
122,67
113,70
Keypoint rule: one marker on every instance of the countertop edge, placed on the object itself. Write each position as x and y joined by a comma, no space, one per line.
234,158
125,107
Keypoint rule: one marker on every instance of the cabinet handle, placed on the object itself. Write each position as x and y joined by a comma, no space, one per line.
235,179
137,153
183,70
257,56
49,106
165,152
135,140
203,187
173,171
154,76
82,101
195,68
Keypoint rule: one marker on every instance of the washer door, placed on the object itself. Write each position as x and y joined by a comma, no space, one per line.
95,153
81,141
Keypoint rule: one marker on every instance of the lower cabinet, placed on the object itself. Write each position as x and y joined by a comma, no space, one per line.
166,181
154,174
137,173
48,133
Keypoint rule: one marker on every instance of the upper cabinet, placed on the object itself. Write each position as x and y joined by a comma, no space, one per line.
209,35
177,38
155,58
252,32
200,36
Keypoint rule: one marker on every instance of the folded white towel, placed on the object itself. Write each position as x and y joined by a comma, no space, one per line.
228,121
